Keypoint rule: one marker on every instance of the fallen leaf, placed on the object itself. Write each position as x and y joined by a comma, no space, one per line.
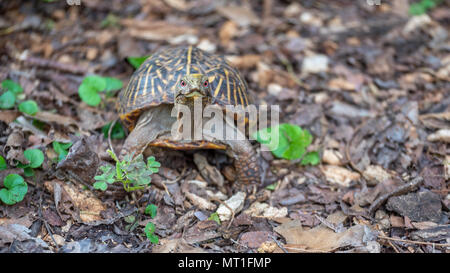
339,175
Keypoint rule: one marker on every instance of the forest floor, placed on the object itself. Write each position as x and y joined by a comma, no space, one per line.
369,82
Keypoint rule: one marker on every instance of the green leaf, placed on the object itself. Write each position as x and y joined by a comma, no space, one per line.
130,219
149,230
286,141
151,210
62,149
215,217
89,94
272,187
29,107
12,86
417,9
28,172
3,164
107,175
153,165
311,158
117,131
15,189
7,100
153,239
35,156
112,84
136,62
100,185
97,82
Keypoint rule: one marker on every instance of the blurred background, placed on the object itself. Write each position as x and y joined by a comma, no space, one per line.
369,79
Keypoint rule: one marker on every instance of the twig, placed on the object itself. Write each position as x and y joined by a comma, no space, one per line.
412,242
327,224
47,227
109,136
279,244
44,63
399,191
391,244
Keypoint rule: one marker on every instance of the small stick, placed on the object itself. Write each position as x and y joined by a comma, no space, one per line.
279,244
412,242
109,136
399,191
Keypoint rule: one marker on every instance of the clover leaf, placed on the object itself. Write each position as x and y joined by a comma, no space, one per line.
92,85
7,100
12,86
287,141
29,107
151,210
35,158
152,164
15,189
149,232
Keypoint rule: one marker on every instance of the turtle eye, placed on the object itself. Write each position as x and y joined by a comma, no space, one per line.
206,83
183,83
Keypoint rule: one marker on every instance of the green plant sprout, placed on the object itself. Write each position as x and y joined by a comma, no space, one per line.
292,143
214,217
13,93
150,233
91,86
151,210
15,189
149,229
134,174
35,158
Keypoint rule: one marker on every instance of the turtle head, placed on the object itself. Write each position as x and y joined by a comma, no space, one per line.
192,86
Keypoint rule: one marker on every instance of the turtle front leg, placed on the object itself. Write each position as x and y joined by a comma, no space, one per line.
137,141
148,128
245,162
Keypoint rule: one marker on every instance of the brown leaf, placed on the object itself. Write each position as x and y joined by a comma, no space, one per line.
254,239
242,16
8,116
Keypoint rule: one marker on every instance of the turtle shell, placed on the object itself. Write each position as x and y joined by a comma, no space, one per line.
156,79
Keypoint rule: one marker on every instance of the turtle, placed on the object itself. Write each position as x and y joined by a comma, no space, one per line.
181,76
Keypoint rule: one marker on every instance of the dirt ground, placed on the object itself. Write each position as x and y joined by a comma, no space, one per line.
369,82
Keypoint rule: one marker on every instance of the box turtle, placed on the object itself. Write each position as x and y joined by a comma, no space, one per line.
179,76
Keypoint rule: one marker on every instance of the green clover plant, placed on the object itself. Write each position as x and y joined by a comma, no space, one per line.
91,86
288,141
149,229
35,158
133,173
15,189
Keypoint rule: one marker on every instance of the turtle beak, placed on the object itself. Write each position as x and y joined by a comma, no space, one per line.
194,94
